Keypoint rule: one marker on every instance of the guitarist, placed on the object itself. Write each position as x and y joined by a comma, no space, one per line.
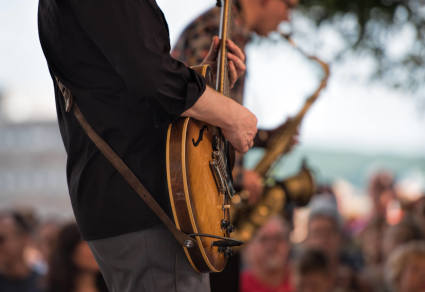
113,56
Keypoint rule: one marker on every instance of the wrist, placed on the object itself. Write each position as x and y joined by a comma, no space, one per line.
231,110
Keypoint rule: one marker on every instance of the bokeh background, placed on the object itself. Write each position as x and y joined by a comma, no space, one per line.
369,118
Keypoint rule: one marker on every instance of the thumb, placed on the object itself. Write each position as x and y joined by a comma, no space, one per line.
216,43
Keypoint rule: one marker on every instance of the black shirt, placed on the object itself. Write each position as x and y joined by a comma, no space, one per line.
114,57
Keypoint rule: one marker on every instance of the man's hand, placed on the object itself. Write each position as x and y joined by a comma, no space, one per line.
237,123
235,59
241,129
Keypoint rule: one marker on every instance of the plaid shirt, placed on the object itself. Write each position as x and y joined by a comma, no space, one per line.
195,41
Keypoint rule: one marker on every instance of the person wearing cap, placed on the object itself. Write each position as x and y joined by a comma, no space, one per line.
325,233
325,226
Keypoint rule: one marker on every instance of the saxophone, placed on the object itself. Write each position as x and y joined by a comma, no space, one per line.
280,143
298,188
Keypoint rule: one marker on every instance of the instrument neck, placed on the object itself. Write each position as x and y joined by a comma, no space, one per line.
223,84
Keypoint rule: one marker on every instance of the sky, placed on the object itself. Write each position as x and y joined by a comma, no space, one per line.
350,114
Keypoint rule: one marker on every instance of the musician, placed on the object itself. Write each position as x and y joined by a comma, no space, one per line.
248,17
113,56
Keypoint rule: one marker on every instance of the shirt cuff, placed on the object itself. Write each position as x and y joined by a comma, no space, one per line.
195,89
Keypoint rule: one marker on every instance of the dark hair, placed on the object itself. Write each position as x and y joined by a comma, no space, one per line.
62,270
310,261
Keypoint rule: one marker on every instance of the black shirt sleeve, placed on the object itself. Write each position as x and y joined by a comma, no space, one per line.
133,36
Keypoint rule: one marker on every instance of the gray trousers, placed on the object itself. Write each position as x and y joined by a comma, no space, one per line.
150,260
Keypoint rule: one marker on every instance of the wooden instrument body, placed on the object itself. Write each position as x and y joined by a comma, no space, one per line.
197,203
199,175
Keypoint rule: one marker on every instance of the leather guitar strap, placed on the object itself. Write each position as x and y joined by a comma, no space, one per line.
70,105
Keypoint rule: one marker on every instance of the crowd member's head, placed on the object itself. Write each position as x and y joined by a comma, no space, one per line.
312,272
14,238
266,258
324,229
405,269
396,235
70,261
264,16
268,250
325,233
266,255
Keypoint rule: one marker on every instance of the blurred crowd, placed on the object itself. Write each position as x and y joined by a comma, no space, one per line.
44,256
383,251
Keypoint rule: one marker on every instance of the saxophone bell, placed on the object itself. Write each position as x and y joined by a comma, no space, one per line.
300,187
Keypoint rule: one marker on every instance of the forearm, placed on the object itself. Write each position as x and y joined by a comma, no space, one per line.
213,108
237,123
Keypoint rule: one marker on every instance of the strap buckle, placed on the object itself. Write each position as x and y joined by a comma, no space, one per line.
67,96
